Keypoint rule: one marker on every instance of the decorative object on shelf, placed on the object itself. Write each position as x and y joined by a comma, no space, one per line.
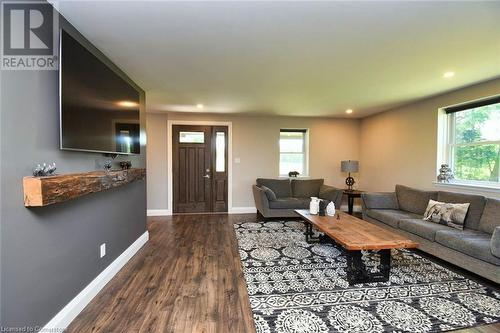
293,174
107,165
314,206
330,209
445,174
322,207
125,165
44,170
44,191
349,166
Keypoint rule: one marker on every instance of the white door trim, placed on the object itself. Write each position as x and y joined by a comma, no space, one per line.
170,189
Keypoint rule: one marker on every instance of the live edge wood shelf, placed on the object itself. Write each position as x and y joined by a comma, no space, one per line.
44,191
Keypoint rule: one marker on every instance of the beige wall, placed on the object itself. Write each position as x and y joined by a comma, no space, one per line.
400,146
156,128
394,147
255,143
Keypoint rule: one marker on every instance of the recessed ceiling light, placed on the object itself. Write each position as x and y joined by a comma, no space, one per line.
348,111
127,104
199,106
448,75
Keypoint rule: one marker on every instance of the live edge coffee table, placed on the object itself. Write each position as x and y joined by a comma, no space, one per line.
354,235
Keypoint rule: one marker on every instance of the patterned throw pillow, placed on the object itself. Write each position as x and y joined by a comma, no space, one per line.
452,215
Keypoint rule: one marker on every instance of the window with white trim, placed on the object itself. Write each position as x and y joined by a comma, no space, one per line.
293,151
472,147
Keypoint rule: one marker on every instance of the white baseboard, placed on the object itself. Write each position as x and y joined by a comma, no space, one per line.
159,212
234,210
242,210
62,320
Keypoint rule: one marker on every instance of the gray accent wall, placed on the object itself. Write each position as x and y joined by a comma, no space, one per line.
49,254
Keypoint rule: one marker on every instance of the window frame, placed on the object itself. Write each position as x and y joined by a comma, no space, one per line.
447,140
305,151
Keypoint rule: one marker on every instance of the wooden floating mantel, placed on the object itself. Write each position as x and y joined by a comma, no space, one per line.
44,191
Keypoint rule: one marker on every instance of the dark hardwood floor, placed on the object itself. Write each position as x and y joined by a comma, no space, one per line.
187,278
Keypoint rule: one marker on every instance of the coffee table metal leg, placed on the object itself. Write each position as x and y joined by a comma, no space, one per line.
309,235
355,267
308,232
358,273
385,264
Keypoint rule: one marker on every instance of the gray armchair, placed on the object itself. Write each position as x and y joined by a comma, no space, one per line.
280,197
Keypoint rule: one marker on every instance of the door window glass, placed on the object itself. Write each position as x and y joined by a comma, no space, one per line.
192,137
220,152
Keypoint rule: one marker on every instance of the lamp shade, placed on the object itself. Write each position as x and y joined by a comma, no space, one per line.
349,166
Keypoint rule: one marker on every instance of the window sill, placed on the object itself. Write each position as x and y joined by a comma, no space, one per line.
298,177
468,186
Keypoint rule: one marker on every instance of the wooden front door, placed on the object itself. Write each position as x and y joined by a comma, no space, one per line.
199,161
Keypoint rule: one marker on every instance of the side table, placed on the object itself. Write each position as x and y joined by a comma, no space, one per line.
351,194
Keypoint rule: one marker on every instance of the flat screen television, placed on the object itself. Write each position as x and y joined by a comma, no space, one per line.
99,110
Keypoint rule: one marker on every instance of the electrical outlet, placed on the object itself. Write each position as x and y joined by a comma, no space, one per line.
237,160
103,249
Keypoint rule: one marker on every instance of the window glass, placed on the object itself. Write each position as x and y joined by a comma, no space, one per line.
220,152
125,141
293,151
192,137
478,124
474,143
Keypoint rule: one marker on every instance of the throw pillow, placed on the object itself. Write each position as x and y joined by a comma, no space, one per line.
452,215
271,196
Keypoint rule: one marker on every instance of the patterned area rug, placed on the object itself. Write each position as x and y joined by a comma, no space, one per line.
299,287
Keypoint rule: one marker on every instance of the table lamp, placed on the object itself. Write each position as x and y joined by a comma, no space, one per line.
349,166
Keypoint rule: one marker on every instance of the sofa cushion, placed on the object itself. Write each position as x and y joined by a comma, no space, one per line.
380,200
495,242
413,200
281,187
306,187
490,219
390,217
473,243
422,228
476,207
290,203
271,196
329,193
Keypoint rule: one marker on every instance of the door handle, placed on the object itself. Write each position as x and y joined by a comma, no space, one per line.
206,176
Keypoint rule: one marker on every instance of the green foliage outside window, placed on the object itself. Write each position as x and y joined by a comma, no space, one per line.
476,151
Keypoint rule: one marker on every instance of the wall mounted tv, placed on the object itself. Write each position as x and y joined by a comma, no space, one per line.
99,110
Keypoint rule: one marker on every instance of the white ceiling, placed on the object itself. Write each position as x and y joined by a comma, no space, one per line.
293,58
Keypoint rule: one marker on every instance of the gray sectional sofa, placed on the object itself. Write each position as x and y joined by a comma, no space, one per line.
280,197
476,248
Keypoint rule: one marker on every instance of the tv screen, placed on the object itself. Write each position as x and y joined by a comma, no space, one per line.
99,111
